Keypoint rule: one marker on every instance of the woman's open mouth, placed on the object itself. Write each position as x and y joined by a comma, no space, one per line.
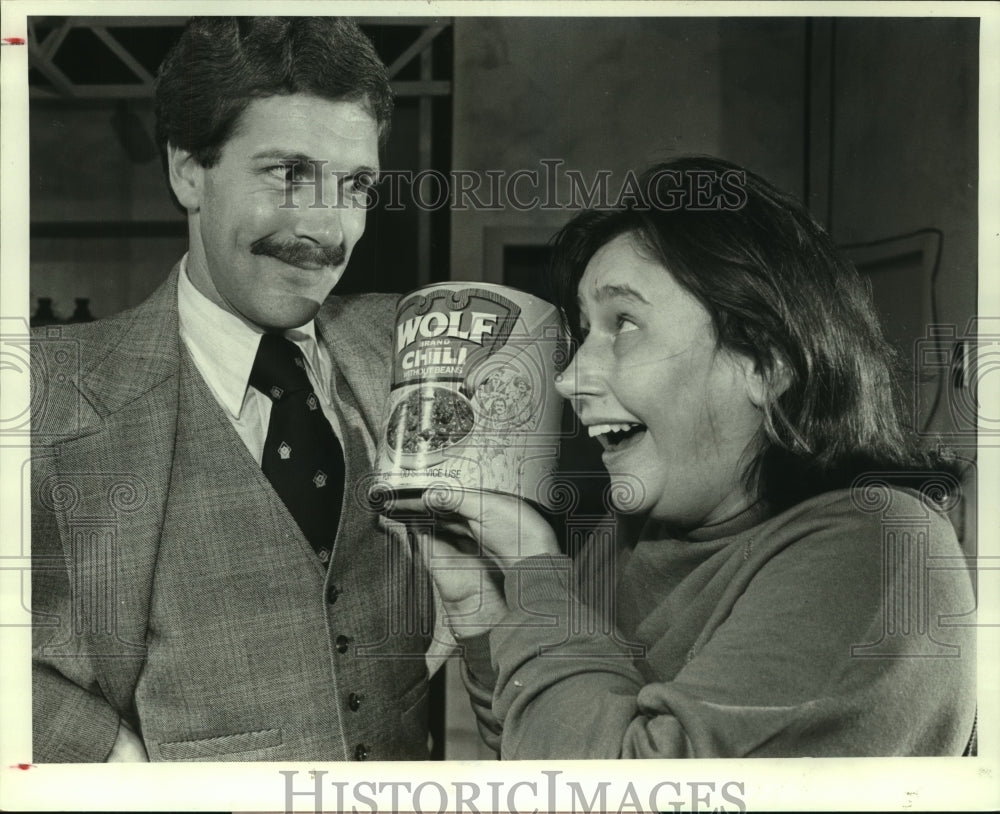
616,437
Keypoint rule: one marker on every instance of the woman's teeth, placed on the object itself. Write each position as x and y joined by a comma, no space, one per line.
616,436
603,429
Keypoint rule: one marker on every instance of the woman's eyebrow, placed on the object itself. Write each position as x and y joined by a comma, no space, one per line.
618,291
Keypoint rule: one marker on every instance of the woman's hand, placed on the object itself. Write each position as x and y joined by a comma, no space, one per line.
473,537
502,527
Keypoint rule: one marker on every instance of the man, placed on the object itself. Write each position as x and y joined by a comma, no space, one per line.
193,600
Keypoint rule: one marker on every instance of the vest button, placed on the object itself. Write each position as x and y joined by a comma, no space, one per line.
332,592
342,643
361,752
354,701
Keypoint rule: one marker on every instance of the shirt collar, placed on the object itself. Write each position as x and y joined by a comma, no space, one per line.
317,364
224,346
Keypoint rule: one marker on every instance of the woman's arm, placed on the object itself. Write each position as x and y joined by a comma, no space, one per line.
795,660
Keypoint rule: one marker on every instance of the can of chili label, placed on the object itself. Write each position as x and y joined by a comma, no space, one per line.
472,402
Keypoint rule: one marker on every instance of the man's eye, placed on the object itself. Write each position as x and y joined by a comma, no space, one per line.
365,180
362,183
358,189
292,172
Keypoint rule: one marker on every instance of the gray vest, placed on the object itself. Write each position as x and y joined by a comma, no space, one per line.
255,650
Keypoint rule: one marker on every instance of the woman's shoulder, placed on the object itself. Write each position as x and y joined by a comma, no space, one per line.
845,549
870,511
879,500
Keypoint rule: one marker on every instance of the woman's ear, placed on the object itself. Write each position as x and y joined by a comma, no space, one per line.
187,177
765,386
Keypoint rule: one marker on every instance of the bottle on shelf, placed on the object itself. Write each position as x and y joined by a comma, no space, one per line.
44,315
82,311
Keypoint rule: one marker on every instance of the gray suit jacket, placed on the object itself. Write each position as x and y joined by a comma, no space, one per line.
172,589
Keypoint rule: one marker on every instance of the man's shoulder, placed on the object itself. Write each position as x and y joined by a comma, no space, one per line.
93,338
108,362
381,307
90,335
64,354
368,317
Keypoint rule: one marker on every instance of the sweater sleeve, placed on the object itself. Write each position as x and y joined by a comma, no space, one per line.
809,650
479,680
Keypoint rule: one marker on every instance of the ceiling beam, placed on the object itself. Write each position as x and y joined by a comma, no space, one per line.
435,87
42,57
424,41
122,53
138,21
59,80
52,42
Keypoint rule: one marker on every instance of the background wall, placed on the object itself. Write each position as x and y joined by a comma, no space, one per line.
619,94
904,157
896,116
80,176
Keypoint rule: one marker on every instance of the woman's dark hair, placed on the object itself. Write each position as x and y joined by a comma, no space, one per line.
780,293
221,64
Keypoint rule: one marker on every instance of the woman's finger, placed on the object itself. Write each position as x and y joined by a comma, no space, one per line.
506,527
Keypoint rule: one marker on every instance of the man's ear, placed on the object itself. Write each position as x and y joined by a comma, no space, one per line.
763,386
187,177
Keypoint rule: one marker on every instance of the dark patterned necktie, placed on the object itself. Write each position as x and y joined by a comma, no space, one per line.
302,456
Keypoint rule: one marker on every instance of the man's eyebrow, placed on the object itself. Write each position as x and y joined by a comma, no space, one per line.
292,157
365,168
278,154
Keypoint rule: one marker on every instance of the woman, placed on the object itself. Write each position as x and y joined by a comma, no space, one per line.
763,589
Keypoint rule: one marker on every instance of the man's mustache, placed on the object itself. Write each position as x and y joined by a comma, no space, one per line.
297,253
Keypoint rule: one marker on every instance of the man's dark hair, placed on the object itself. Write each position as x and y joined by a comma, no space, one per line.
221,64
779,292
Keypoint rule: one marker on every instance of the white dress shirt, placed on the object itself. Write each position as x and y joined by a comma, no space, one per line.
223,347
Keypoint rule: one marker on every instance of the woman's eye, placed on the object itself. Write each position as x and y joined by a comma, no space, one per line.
624,324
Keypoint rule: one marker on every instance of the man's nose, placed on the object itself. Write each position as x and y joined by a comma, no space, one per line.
320,221
583,376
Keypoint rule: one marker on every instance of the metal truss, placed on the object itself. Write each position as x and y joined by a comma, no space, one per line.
44,51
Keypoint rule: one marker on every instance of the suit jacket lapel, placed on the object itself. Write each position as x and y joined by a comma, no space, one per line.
118,472
352,331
